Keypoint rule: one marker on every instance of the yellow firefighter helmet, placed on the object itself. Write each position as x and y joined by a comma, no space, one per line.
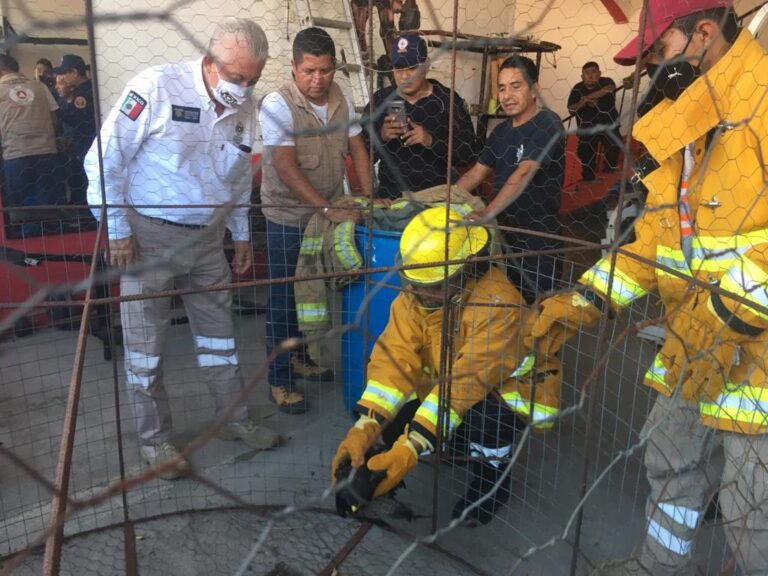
425,238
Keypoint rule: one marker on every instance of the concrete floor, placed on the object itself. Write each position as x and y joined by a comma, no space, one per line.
527,536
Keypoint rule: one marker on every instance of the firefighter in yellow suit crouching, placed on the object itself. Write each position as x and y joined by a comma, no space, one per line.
490,383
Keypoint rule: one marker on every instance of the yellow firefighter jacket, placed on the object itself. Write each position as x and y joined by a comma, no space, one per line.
724,114
487,348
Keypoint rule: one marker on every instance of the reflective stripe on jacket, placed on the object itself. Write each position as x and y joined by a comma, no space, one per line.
325,247
725,113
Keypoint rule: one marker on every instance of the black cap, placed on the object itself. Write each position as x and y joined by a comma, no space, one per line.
408,50
70,62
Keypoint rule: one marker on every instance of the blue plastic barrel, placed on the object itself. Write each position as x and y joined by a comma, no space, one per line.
354,355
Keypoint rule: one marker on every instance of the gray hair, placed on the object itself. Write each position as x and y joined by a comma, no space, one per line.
246,31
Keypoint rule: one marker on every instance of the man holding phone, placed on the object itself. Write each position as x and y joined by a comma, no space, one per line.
411,122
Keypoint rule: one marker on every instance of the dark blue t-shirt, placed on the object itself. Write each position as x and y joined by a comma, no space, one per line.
541,139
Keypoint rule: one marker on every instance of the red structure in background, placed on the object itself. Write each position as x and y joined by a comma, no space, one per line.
32,263
55,259
577,193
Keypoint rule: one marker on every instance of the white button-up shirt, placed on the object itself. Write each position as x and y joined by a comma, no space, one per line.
164,146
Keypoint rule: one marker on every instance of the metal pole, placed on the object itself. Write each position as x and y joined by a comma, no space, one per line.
129,537
602,330
52,556
449,314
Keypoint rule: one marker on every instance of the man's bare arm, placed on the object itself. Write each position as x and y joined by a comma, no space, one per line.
512,188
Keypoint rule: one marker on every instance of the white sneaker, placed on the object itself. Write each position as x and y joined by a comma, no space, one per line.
158,454
254,436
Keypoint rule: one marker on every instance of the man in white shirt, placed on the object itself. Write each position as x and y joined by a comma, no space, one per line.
308,131
177,153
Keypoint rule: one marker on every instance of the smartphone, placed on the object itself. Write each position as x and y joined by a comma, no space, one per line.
397,109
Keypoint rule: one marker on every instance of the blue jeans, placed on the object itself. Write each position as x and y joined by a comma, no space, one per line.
34,180
283,244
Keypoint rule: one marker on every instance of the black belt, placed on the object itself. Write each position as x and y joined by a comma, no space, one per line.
179,224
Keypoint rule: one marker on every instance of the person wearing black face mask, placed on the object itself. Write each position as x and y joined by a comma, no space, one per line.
668,80
653,94
672,78
700,246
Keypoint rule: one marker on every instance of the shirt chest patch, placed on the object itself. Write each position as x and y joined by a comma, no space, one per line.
238,137
185,114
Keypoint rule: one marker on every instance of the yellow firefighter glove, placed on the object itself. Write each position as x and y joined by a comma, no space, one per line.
560,318
397,462
358,441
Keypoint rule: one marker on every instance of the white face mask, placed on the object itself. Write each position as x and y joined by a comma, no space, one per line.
230,94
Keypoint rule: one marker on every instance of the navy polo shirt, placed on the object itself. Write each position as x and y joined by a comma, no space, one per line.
541,139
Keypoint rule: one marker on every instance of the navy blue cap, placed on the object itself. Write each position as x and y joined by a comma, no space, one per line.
70,62
408,50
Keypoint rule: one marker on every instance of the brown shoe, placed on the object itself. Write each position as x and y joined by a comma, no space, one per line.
288,401
303,367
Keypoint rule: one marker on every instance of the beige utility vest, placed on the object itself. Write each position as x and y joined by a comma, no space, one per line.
26,126
320,153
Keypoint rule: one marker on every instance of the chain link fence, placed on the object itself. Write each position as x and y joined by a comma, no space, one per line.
613,472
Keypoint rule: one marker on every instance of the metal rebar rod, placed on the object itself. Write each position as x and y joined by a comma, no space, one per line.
52,555
602,330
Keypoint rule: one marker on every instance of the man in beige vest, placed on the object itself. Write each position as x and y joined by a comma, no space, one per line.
32,170
303,172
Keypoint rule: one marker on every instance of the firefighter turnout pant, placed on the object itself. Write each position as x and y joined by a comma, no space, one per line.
173,256
687,463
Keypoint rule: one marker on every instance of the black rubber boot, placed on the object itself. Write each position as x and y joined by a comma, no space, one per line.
485,477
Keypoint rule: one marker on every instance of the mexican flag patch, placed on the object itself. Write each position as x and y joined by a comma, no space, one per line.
133,105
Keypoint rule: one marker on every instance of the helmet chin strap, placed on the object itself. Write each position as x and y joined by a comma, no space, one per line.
425,306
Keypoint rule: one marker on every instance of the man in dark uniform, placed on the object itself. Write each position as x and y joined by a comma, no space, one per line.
78,121
594,103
